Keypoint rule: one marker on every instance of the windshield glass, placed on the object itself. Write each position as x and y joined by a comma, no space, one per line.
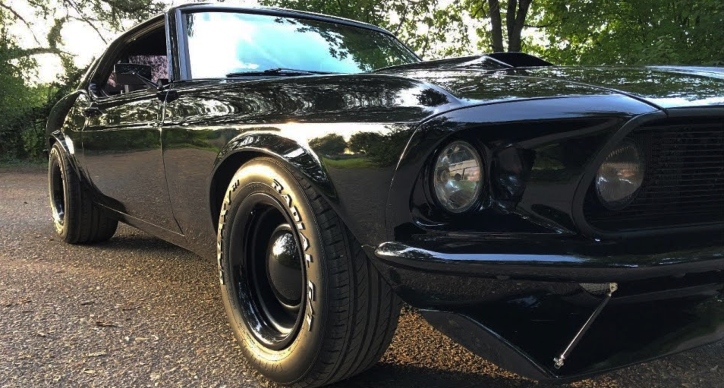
221,43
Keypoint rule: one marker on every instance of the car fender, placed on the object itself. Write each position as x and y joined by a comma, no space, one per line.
297,157
62,126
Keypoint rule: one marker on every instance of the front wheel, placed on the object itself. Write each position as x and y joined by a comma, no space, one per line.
302,298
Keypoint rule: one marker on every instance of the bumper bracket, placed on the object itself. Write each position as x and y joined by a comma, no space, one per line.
560,360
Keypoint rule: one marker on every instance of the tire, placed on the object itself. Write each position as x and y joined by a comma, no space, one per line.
322,315
77,220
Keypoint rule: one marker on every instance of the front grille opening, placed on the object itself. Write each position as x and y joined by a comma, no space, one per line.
684,181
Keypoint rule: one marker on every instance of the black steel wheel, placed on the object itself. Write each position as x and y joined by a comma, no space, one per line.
267,270
302,298
77,220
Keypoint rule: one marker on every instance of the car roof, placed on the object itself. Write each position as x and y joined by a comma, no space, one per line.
200,7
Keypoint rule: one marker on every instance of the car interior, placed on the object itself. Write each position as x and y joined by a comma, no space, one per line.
148,50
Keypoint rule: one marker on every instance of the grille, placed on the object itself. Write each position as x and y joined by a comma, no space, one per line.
684,180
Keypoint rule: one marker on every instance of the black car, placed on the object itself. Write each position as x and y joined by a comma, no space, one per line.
559,221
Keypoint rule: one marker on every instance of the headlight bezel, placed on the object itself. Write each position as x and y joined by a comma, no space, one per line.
624,201
477,196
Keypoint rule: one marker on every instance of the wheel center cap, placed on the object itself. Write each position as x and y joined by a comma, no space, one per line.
284,267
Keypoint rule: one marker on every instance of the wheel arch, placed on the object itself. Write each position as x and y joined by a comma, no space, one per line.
57,137
58,118
247,147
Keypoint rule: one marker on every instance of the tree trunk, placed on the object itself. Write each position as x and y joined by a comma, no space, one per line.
510,19
516,21
496,25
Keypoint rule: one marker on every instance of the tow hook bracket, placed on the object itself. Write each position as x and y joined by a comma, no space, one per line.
559,361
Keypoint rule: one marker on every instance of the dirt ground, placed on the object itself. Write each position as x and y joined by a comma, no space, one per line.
137,311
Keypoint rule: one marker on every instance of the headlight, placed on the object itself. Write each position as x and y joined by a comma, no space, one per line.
457,177
620,176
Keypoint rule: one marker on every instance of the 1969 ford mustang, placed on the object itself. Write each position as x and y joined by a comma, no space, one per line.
559,221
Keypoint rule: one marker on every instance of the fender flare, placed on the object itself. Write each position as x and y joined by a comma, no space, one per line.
246,146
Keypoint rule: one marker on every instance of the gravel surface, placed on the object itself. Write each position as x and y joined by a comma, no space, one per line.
137,311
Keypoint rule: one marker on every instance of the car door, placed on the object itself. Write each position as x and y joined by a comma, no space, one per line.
123,156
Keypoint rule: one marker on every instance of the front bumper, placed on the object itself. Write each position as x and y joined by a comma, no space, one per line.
520,310
463,275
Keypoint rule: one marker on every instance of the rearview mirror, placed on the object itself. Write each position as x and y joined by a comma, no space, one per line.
133,74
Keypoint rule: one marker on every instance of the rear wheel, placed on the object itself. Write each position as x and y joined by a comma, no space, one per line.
302,298
77,220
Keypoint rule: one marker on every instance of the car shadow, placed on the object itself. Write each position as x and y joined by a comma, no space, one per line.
128,238
412,376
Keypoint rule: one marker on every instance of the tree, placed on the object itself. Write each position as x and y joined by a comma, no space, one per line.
443,28
103,16
364,142
24,107
631,31
513,12
16,99
329,145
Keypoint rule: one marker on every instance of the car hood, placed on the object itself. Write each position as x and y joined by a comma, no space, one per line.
665,87
662,87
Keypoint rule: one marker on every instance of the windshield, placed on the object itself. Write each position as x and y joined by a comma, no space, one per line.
221,43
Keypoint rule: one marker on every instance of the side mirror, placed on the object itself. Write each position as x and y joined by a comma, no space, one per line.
133,74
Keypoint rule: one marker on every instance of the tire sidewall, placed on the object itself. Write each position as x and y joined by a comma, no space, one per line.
293,362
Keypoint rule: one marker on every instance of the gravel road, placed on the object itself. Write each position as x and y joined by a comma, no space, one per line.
137,311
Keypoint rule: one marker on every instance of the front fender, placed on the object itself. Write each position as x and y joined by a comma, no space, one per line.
298,157
355,183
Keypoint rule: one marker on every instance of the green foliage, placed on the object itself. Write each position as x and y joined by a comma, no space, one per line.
107,13
348,163
433,28
16,99
380,150
384,152
563,31
445,29
330,144
632,32
364,142
24,108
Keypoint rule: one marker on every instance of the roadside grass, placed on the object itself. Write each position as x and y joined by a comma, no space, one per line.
349,163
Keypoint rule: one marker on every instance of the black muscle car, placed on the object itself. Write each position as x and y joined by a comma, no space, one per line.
559,221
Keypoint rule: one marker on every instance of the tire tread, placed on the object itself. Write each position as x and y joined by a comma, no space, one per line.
371,315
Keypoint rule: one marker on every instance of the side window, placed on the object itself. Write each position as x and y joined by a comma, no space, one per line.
148,50
159,71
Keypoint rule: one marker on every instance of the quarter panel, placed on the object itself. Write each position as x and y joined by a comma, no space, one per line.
64,126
